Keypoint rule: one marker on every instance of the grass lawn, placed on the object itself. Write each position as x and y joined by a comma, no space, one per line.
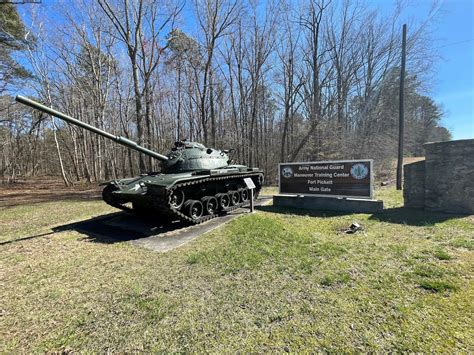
277,280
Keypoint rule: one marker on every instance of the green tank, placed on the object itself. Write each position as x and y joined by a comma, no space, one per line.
195,184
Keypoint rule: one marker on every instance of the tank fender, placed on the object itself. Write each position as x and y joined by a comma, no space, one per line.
119,183
166,184
103,183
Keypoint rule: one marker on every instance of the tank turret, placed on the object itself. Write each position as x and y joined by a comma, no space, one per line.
195,183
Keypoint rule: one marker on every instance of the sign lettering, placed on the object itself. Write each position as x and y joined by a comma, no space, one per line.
344,178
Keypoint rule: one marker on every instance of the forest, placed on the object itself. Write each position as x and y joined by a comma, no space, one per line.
274,80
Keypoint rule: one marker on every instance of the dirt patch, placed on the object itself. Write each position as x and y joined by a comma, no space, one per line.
44,189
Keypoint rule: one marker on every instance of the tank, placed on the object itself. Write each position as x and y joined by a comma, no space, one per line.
195,183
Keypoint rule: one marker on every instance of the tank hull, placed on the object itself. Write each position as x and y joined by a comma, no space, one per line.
192,197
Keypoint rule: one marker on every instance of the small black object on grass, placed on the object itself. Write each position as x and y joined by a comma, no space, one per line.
353,228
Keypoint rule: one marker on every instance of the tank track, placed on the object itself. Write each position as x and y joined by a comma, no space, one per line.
163,201
161,198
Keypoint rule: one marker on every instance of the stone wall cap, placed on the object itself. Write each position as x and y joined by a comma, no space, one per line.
453,142
419,162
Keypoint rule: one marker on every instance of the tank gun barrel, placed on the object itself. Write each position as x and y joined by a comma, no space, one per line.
120,140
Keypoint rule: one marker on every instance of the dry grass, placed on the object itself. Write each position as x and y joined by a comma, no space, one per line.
273,281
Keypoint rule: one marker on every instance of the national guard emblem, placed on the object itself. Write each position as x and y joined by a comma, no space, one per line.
359,171
287,172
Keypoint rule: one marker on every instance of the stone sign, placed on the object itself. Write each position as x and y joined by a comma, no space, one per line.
343,178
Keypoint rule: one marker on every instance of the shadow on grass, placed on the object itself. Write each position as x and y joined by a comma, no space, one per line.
112,228
120,227
26,238
301,211
397,215
413,217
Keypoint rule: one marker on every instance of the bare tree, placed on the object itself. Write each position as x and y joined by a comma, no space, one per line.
275,81
215,17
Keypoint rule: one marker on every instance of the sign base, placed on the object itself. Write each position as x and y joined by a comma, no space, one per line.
322,203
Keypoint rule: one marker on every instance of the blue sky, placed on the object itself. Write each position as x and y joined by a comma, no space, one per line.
453,74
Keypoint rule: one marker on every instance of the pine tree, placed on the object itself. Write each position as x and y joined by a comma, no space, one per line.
12,38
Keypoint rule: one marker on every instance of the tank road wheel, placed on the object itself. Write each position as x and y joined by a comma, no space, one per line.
223,200
244,195
210,204
234,197
194,209
177,199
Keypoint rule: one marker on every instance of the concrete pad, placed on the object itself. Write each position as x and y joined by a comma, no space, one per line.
122,226
170,240
324,203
